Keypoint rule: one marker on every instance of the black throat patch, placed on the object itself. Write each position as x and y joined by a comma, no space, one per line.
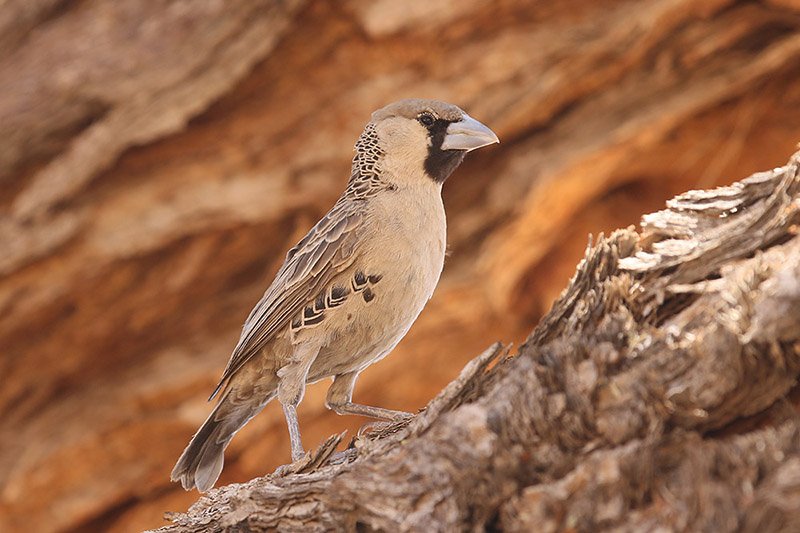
441,163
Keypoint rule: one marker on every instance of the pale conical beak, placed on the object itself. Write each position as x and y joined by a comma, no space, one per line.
468,134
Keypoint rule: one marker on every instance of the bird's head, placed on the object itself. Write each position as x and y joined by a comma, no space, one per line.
424,136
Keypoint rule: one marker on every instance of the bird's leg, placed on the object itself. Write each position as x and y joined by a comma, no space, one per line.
339,399
290,412
291,388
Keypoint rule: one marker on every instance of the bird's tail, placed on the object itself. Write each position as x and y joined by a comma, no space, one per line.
201,462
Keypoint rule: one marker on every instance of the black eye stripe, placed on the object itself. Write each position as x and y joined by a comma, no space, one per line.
441,163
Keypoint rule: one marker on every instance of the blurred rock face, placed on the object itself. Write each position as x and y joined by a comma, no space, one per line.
158,159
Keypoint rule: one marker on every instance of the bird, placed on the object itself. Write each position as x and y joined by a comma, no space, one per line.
351,288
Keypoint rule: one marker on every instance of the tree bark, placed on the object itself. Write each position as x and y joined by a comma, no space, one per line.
615,415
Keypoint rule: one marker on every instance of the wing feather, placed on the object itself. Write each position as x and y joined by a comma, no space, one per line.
328,249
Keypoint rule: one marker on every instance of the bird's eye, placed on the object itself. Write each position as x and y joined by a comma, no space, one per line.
426,119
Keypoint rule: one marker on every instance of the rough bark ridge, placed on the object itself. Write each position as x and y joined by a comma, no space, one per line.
609,417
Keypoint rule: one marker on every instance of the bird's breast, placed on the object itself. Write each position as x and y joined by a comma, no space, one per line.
405,248
410,241
391,281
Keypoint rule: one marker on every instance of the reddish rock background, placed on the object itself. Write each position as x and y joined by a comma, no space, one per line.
158,158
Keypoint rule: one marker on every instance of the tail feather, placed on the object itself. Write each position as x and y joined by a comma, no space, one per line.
201,462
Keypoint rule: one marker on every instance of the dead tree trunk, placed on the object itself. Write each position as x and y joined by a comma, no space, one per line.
656,392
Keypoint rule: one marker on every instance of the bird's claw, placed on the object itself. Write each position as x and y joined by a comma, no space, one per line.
372,427
298,462
380,426
283,470
344,456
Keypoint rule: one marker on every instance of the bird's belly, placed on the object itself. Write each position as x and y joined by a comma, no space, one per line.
367,329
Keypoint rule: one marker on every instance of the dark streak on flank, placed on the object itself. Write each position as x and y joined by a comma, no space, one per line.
338,296
368,295
359,281
441,163
313,320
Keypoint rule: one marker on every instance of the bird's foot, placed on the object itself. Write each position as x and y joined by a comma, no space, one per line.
344,456
298,462
283,470
380,427
298,454
373,427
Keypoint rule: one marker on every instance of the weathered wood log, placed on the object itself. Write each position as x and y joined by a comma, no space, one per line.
609,416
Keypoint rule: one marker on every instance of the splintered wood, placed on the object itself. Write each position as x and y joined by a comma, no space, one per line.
654,396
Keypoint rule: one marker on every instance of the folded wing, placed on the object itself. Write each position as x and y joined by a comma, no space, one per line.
327,250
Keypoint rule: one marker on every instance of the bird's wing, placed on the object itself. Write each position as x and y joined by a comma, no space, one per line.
328,249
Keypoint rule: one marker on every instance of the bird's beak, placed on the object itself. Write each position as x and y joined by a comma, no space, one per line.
468,134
